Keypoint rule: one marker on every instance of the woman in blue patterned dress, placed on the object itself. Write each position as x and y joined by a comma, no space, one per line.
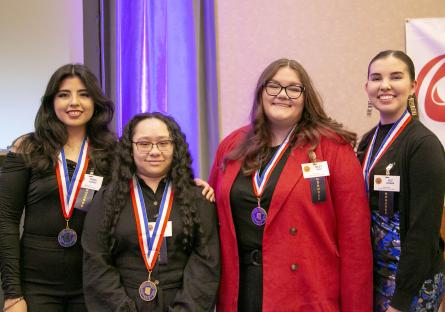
404,168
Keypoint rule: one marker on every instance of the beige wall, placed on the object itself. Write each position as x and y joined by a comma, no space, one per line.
334,40
36,37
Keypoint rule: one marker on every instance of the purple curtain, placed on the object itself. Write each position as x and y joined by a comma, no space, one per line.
157,68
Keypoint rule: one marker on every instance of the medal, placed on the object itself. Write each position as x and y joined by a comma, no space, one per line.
69,191
67,237
150,245
369,162
258,216
259,182
148,289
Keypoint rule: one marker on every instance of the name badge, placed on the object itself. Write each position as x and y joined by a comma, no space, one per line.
168,229
315,169
388,183
92,182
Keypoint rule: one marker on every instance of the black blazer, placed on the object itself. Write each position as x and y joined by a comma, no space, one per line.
187,282
420,162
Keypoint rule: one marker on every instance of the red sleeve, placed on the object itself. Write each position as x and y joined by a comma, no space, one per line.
353,228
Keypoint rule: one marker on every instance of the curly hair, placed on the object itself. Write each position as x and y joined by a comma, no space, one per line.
313,124
180,174
41,147
403,57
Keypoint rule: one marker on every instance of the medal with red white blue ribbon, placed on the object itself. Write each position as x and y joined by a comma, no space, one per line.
150,245
69,190
396,129
259,181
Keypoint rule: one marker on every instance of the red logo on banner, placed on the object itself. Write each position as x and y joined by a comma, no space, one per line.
431,82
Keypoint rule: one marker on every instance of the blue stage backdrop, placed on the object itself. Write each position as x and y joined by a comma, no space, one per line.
165,61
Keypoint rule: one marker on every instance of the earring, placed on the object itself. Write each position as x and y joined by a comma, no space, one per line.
369,108
412,105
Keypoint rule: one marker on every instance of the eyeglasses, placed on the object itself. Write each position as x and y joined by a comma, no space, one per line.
292,91
145,147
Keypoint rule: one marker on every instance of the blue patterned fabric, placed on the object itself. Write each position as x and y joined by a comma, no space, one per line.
386,248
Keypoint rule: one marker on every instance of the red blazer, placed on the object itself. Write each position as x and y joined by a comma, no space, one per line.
316,257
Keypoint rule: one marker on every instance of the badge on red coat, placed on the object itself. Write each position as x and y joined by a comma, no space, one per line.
316,171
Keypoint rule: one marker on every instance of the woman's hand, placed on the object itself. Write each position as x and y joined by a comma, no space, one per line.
208,191
15,305
391,309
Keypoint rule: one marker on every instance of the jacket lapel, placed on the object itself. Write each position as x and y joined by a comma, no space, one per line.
289,177
229,177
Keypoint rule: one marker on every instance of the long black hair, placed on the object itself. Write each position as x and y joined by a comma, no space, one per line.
41,147
180,175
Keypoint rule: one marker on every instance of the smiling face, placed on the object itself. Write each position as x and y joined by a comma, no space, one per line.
388,87
154,164
281,111
72,104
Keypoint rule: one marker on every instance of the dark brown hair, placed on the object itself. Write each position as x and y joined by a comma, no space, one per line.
180,175
313,124
41,147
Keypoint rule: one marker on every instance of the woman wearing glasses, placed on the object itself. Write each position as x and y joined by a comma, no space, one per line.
150,239
294,222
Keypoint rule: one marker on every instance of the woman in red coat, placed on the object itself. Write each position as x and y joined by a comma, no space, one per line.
293,214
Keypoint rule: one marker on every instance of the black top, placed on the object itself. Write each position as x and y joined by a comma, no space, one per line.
188,280
153,200
381,134
420,162
243,200
40,260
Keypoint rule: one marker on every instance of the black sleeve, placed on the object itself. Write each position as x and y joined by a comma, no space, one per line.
103,290
14,180
363,145
202,272
426,192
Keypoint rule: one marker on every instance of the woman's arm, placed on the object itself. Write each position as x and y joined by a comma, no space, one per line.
353,229
426,176
103,290
201,274
14,180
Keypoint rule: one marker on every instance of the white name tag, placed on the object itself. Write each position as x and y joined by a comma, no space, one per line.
168,228
92,182
315,170
387,183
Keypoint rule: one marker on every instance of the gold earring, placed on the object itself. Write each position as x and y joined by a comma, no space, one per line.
412,105
369,108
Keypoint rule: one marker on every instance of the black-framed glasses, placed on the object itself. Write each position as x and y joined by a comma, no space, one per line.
292,91
145,147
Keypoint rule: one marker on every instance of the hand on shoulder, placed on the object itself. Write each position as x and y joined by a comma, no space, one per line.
207,190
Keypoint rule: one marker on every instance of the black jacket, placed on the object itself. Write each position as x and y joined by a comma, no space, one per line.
187,282
420,162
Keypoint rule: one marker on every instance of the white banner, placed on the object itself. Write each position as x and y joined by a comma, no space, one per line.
425,44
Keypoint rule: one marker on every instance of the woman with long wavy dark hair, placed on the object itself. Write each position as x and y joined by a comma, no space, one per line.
53,173
294,223
150,239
